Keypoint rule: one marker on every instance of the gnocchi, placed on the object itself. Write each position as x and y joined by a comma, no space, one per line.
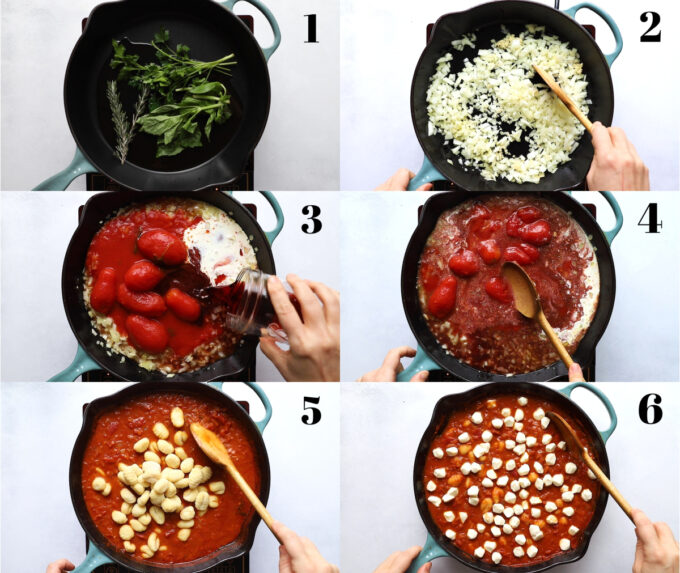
162,480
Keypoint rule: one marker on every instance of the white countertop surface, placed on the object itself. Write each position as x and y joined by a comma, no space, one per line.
298,150
38,522
382,425
639,344
36,229
382,40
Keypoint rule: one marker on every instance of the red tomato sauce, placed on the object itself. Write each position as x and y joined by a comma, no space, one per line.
467,304
116,246
113,436
461,422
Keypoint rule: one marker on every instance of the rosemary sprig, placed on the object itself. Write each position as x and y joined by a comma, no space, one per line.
125,130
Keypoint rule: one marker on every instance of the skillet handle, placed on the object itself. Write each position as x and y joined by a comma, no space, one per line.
94,559
614,204
59,182
430,551
262,424
420,362
427,174
603,398
81,363
229,5
609,21
271,235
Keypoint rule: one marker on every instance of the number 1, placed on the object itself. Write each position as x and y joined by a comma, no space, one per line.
311,29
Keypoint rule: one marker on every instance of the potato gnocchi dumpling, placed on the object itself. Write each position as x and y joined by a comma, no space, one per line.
502,486
159,484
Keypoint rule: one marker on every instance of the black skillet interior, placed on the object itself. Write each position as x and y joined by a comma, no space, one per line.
104,206
211,31
441,202
139,391
485,20
455,402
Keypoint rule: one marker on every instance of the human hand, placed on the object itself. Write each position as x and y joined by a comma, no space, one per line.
314,340
399,562
575,373
392,366
400,180
616,165
656,550
60,566
298,554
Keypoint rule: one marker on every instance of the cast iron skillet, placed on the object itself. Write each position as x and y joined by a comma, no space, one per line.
211,30
438,545
432,356
91,355
101,552
484,21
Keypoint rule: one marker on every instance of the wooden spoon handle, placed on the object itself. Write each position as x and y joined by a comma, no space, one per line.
252,497
556,342
609,486
571,106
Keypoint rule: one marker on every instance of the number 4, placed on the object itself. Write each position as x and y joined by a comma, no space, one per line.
652,217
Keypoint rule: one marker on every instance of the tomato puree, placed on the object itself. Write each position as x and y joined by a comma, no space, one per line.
147,293
114,434
501,485
469,307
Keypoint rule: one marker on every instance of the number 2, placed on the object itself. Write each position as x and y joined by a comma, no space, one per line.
656,20
316,413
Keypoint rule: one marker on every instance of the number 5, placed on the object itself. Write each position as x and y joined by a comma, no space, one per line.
316,413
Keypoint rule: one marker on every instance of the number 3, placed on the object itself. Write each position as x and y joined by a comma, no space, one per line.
312,212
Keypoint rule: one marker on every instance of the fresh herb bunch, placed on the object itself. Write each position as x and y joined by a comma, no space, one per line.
124,128
181,93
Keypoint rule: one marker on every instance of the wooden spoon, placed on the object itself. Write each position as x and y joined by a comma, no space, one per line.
560,93
215,450
575,446
529,305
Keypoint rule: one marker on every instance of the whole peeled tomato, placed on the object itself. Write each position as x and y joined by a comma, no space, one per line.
536,233
464,263
489,251
529,214
143,275
148,303
429,277
523,254
497,288
184,306
443,300
162,246
103,294
146,334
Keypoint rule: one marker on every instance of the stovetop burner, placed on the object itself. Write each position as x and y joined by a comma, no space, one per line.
239,565
244,182
588,369
247,375
447,185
